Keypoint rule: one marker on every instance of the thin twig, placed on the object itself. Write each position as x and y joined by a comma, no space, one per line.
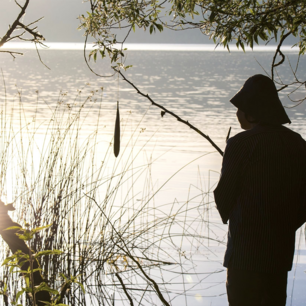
158,292
283,87
12,53
86,61
278,51
37,36
40,57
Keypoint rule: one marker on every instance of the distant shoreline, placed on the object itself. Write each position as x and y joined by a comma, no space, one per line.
149,47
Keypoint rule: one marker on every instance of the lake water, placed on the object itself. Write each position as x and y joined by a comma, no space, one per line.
196,85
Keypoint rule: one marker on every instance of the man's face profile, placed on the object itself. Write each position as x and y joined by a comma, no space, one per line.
242,118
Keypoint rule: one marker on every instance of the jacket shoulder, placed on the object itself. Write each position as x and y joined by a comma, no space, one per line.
240,137
245,135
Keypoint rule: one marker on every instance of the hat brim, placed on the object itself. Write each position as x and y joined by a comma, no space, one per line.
260,100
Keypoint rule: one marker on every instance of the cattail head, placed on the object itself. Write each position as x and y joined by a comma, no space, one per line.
117,133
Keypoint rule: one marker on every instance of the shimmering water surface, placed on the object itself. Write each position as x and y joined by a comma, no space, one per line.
196,86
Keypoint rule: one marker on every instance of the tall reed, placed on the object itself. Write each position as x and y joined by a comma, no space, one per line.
126,248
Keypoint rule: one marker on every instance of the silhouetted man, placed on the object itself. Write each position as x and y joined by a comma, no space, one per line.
261,193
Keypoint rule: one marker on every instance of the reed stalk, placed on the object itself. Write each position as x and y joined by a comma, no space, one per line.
125,246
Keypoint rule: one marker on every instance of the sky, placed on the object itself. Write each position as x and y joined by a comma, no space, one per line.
60,23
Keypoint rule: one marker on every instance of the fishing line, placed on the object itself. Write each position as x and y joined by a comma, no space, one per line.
118,88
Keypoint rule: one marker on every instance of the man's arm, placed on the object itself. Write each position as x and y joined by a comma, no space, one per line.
301,215
229,184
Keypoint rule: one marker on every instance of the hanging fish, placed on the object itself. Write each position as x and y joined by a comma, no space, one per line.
117,133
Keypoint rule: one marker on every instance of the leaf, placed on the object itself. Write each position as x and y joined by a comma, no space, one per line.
212,16
13,227
151,28
6,261
263,35
256,38
27,280
44,287
63,276
275,35
117,133
21,271
127,67
102,52
82,287
25,237
37,229
242,46
19,293
48,252
159,27
36,270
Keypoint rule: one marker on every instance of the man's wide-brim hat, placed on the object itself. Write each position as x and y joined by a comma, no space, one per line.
258,98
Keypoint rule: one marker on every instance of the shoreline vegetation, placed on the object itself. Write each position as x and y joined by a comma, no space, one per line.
124,246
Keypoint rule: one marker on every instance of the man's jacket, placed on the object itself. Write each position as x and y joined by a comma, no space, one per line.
262,193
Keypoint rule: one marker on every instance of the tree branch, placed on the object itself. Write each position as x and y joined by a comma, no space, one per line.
15,23
36,37
15,244
278,51
170,113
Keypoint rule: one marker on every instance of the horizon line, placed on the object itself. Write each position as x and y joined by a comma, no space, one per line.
146,47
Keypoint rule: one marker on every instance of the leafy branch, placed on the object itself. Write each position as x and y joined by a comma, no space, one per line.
27,264
244,23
